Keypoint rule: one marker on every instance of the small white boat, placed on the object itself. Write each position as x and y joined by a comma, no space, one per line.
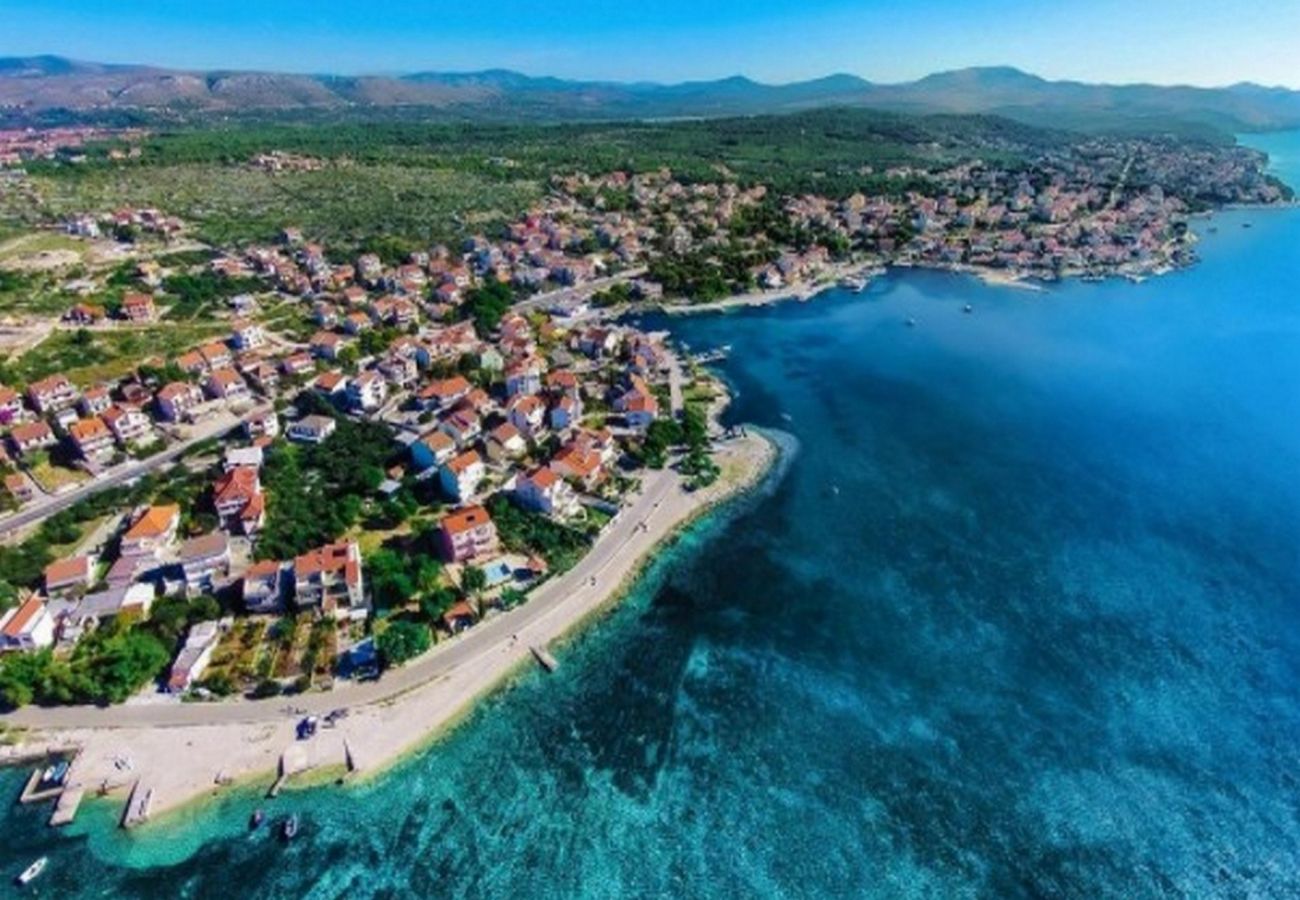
968,308
31,872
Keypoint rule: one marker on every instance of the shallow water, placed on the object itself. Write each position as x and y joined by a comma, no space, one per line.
1019,618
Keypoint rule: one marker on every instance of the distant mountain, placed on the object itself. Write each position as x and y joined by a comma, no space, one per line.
32,85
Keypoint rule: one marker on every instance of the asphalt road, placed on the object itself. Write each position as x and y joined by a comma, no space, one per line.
48,505
589,575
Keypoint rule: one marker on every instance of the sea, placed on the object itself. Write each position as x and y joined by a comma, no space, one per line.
1017,615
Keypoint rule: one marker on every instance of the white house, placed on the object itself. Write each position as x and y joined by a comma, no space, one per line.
461,476
28,626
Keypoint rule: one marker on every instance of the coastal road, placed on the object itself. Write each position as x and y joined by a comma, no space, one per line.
541,301
50,504
627,538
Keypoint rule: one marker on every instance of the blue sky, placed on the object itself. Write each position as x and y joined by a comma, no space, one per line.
1206,42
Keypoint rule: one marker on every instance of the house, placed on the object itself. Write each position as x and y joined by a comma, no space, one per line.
312,429
51,394
31,436
458,617
327,345
330,579
565,413
462,426
544,491
85,314
505,443
151,531
433,449
356,322
262,423
527,412
65,575
296,364
460,475
564,382
330,384
19,487
264,376
226,384
138,308
234,490
263,587
129,425
399,370
216,355
578,463
236,457
28,626
176,399
192,660
443,392
467,534
192,363
91,437
94,401
247,335
524,376
367,392
204,560
11,405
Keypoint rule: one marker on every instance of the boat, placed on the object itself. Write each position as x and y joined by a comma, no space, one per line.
968,308
31,872
856,285
255,822
911,323
290,828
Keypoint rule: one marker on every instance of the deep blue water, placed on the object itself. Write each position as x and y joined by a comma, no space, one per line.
1020,616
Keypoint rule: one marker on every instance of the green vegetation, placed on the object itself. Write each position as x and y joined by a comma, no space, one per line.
402,640
107,666
397,577
523,531
315,494
487,305
88,357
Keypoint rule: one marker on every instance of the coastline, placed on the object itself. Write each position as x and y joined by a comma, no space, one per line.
187,764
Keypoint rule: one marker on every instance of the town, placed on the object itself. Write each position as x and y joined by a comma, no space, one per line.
364,453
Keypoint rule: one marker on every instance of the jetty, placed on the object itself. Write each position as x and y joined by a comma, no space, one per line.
137,805
544,658
65,810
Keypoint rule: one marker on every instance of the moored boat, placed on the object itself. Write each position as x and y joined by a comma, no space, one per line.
290,829
256,820
35,869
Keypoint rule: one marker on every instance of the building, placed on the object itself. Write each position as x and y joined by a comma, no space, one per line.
19,487
467,534
566,413
242,456
28,626
51,394
367,391
138,308
66,575
443,392
31,436
505,443
233,492
94,401
461,475
434,449
216,355
11,405
129,425
544,491
262,423
527,412
175,400
247,335
226,384
204,560
151,531
264,587
192,660
91,437
330,579
312,429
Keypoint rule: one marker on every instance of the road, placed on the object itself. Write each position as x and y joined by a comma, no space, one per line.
589,577
540,301
48,505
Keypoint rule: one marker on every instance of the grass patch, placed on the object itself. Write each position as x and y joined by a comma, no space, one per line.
51,477
88,357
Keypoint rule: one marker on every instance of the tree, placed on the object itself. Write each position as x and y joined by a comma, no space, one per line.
390,578
402,640
473,579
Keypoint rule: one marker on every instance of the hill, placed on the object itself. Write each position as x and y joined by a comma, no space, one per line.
32,88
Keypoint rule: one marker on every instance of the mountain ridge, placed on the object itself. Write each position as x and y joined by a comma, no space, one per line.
36,84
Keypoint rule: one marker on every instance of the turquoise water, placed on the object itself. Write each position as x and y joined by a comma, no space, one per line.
1018,617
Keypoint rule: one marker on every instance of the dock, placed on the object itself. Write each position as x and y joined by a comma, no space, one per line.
66,809
34,793
137,806
544,658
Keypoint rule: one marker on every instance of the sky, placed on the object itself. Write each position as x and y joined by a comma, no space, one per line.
1202,42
